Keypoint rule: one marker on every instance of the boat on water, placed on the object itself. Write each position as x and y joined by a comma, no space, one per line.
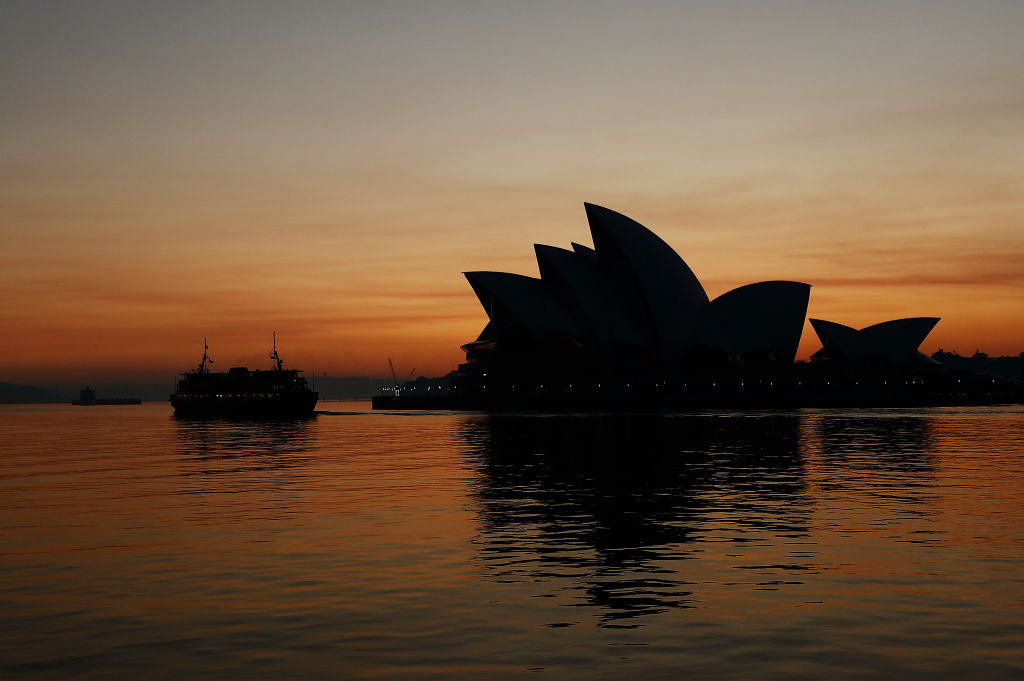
241,392
87,398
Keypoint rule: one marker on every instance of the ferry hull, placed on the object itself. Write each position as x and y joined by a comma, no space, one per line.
213,406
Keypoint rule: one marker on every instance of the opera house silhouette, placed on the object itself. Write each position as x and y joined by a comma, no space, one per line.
628,322
895,341
632,296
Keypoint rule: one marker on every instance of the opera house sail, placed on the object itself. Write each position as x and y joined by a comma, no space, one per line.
894,342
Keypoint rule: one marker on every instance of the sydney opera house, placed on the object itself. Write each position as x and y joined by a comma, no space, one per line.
629,312
626,323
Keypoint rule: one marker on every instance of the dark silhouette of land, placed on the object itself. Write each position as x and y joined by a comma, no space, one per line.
14,393
1008,367
349,387
330,388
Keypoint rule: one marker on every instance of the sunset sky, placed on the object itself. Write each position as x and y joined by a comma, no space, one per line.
175,170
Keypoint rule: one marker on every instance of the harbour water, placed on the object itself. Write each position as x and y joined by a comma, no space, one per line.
356,545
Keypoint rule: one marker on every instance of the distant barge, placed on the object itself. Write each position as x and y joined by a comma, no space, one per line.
274,393
87,398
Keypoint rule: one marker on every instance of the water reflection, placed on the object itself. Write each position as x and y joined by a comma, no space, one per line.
893,448
886,460
229,454
891,438
610,510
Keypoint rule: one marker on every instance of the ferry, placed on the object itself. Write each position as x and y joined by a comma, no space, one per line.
241,392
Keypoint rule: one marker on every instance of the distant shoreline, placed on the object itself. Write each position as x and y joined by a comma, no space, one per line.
329,387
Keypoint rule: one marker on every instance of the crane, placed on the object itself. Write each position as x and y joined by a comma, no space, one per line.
394,377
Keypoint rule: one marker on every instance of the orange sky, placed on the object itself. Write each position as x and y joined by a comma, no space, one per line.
171,171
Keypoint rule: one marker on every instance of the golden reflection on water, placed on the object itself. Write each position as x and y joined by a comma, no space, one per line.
432,545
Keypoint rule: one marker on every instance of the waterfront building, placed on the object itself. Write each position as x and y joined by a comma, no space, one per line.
628,307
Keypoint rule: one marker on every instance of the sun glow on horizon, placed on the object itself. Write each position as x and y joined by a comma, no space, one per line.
329,173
